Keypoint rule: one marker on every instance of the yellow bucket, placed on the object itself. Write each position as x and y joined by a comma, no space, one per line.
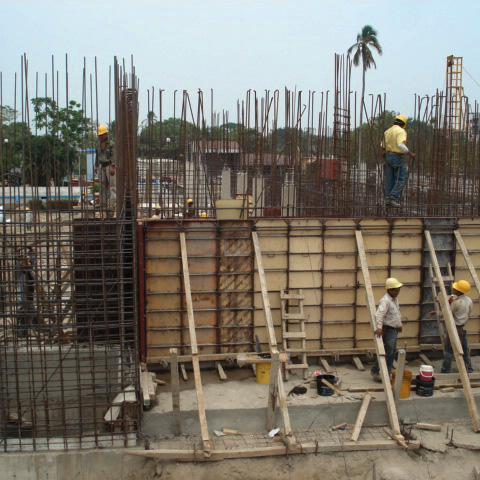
406,381
263,373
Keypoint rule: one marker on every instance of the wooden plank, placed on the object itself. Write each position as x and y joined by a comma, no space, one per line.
340,425
428,426
425,359
454,338
379,348
326,366
127,396
272,392
175,382
144,379
329,385
220,371
216,455
467,258
280,391
193,341
184,372
399,374
358,363
361,417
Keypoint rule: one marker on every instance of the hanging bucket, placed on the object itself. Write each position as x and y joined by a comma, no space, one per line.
426,373
406,380
322,389
424,389
263,373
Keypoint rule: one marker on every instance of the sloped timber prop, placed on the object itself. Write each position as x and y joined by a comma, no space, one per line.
468,260
276,389
452,333
379,348
193,342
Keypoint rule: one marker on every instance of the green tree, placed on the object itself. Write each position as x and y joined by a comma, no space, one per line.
366,39
60,134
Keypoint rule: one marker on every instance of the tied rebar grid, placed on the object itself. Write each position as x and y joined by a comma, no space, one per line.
283,158
68,338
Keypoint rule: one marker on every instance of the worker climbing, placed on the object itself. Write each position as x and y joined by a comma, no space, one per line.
105,167
396,170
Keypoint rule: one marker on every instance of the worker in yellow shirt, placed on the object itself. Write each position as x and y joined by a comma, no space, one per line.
395,149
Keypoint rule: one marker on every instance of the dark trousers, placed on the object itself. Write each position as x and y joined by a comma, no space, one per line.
448,354
390,344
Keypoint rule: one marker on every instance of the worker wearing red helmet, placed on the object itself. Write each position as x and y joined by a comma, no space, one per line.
396,172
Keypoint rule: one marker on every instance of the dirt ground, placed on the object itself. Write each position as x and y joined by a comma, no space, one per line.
454,464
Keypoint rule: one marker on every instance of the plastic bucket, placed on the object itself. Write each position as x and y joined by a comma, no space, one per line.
263,373
322,389
424,388
426,373
406,380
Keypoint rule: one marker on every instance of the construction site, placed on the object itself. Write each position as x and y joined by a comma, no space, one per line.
216,320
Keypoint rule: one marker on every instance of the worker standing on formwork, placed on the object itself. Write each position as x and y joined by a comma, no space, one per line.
388,322
461,306
105,167
396,170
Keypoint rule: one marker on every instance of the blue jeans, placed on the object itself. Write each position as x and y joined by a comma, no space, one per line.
390,344
396,176
448,354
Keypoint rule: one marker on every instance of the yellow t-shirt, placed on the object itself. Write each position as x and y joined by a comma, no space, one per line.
392,137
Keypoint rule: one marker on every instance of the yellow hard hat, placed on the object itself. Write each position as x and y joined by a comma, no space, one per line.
189,200
27,209
158,207
392,283
203,214
403,119
102,129
462,286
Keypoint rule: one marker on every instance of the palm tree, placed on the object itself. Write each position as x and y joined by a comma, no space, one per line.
366,39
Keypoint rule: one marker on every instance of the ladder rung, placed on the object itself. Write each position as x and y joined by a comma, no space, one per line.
448,278
296,366
292,296
294,335
293,316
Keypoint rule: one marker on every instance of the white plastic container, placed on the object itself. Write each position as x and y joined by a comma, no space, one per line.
426,373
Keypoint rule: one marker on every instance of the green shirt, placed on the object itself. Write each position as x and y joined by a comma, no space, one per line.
106,156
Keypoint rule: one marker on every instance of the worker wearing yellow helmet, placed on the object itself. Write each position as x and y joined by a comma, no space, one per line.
190,210
396,171
105,167
388,324
461,306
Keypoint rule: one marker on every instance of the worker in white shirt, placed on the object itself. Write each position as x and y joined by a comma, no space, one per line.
388,323
461,306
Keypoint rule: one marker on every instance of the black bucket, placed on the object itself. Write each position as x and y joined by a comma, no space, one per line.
424,388
322,389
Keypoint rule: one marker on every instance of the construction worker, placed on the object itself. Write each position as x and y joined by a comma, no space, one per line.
203,215
396,170
105,167
158,212
25,280
388,324
190,210
461,306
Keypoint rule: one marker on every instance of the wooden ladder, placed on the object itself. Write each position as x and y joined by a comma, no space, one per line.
290,318
448,280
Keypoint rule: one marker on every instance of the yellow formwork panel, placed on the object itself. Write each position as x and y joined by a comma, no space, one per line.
407,275
340,244
161,246
162,265
305,262
339,279
338,344
164,301
305,280
163,284
378,293
406,259
164,319
276,281
306,244
377,277
274,261
338,330
271,243
259,318
344,296
338,313
274,298
339,261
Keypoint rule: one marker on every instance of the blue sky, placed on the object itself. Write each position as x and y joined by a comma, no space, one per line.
231,46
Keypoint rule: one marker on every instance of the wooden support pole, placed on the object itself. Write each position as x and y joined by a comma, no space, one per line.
453,335
272,392
175,382
399,374
272,341
193,345
379,347
425,359
361,417
221,372
358,363
468,260
326,365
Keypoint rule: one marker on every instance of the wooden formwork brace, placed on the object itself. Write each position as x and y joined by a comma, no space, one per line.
453,335
276,390
379,348
193,342
468,260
